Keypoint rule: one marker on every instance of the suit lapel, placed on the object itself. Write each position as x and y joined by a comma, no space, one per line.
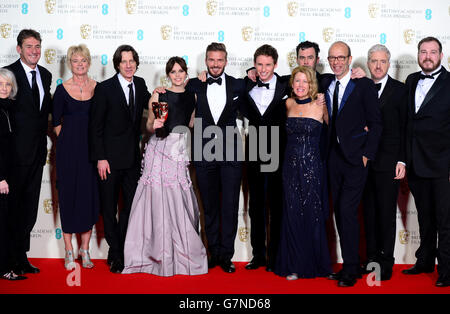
347,93
250,86
276,97
387,91
412,93
229,102
206,110
437,86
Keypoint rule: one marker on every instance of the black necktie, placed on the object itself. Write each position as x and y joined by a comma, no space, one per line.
131,100
35,90
431,76
378,86
334,113
261,84
211,80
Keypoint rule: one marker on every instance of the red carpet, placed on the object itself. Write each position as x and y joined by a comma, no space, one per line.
53,279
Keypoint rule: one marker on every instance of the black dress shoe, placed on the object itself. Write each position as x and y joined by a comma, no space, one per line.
416,269
443,281
228,267
334,276
347,281
116,267
12,276
255,264
25,268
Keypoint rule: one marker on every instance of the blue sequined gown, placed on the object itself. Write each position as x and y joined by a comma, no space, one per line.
303,243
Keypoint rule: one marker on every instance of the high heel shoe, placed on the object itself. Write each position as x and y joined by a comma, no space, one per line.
292,276
69,260
86,258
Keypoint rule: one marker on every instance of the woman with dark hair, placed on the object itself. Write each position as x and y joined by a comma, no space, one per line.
8,90
303,250
163,237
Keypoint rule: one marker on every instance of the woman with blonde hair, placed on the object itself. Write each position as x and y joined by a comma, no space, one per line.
76,176
303,250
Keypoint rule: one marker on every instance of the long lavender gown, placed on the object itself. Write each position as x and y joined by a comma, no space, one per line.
162,237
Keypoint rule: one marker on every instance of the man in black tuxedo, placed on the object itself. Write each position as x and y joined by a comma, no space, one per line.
352,105
114,132
218,171
264,107
29,144
388,168
428,158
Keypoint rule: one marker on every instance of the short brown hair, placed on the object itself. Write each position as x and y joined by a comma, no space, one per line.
171,63
428,39
266,50
117,58
27,33
216,47
310,76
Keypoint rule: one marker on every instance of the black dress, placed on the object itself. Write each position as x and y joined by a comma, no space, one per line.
303,241
76,176
5,148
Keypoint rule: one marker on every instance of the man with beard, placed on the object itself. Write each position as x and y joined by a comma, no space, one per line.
428,158
218,172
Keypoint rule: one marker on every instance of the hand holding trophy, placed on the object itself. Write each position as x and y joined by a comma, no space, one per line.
161,111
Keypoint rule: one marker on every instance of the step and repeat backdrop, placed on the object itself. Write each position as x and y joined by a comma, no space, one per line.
161,29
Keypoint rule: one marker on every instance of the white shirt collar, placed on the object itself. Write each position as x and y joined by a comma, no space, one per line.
344,81
435,76
28,69
123,82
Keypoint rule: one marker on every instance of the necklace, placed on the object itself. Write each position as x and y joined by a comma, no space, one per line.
302,102
80,86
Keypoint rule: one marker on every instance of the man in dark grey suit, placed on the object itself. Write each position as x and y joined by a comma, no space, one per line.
29,144
428,158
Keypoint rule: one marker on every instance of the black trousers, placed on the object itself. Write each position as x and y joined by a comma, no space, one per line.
432,198
4,236
380,212
25,187
265,207
219,185
125,181
347,184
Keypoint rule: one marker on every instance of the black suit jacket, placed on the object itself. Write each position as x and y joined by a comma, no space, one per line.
30,124
359,108
113,134
234,89
428,130
275,114
393,102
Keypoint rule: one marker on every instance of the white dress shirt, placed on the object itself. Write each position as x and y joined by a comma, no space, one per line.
126,90
343,84
263,96
383,82
217,98
423,87
38,80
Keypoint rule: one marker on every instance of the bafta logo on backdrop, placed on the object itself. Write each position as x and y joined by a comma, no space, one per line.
292,8
292,59
328,34
247,33
408,36
403,236
85,31
5,30
50,6
166,32
48,206
50,56
243,234
374,10
211,7
131,6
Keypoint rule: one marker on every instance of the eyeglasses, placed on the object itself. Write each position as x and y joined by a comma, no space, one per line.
338,58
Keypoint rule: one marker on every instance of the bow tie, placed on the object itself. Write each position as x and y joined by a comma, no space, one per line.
423,76
378,86
261,84
211,80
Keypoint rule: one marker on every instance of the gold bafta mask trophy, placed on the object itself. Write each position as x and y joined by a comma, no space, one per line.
161,111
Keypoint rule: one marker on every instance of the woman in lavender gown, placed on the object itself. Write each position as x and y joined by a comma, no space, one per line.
162,237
